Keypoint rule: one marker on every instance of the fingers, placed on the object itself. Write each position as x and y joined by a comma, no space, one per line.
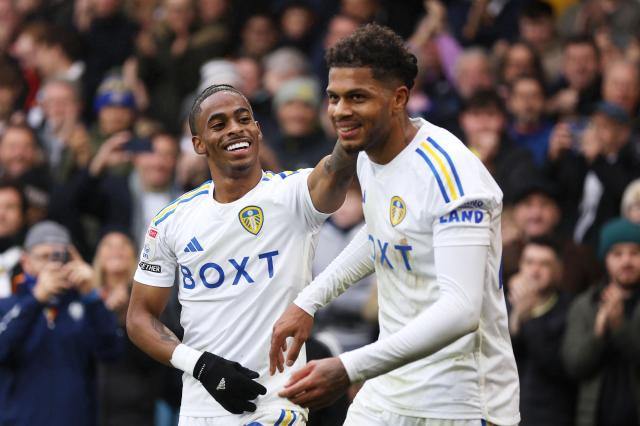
295,350
278,339
298,382
247,372
74,254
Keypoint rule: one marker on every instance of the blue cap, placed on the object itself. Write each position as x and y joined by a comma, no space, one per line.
114,92
613,111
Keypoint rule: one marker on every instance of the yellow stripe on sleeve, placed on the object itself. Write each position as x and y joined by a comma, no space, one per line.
443,168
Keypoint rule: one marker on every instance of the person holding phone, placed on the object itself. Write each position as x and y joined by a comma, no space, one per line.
53,329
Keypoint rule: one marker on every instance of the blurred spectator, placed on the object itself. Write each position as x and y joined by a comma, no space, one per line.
601,346
55,327
128,388
630,206
484,22
108,37
57,54
529,127
338,27
484,123
13,208
170,56
298,25
363,11
213,13
136,199
536,213
593,169
437,52
10,91
9,20
578,89
24,51
538,28
301,141
21,160
62,134
473,72
537,322
621,17
281,65
520,59
621,86
116,109
259,36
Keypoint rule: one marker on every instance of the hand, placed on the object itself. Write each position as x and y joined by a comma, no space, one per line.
613,297
560,140
564,102
293,322
591,146
228,382
318,384
523,296
50,282
110,153
78,273
486,145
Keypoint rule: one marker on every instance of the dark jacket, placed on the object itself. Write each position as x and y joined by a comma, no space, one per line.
48,354
547,395
588,358
569,173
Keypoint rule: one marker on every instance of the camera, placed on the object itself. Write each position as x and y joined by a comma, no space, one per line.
60,256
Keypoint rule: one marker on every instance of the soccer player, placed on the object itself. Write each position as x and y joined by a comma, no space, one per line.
432,236
243,246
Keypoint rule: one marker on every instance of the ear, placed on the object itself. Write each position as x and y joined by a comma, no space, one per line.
400,98
259,131
198,146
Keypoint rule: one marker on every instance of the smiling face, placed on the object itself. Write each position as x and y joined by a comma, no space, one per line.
228,135
361,108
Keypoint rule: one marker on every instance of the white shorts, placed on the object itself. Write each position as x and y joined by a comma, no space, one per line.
264,417
361,413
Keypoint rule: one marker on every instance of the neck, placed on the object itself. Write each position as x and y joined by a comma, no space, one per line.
398,138
230,188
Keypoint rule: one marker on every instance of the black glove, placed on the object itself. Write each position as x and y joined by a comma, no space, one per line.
228,382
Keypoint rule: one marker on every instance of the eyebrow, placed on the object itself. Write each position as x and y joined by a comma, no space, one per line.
221,115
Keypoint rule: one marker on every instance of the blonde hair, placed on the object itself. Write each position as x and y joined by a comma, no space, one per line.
630,197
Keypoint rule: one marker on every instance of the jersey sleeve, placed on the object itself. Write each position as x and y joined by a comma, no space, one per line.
157,263
462,197
298,198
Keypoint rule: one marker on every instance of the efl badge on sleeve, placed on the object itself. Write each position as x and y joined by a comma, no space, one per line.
397,210
251,219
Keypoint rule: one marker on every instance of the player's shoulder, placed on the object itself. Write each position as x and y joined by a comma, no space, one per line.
187,200
444,163
276,178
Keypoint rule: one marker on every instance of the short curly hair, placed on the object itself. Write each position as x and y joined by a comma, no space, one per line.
379,48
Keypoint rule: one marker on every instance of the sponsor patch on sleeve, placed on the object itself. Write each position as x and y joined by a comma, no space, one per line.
150,267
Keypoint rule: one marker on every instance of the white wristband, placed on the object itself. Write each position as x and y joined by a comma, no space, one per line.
184,358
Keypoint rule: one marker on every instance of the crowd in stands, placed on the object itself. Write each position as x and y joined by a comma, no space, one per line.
94,141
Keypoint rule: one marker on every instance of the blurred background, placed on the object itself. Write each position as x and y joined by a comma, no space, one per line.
94,97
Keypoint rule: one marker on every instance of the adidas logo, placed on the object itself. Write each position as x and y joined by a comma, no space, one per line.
193,246
221,385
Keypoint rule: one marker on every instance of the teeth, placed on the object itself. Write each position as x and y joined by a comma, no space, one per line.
238,145
347,129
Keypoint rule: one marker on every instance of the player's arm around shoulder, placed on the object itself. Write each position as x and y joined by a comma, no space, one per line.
330,179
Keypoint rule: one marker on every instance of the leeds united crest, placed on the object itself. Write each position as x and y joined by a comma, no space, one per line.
397,210
251,219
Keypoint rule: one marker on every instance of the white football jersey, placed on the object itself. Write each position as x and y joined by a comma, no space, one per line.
240,264
434,184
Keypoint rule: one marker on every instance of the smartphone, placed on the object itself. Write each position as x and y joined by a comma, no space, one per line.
577,128
138,145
